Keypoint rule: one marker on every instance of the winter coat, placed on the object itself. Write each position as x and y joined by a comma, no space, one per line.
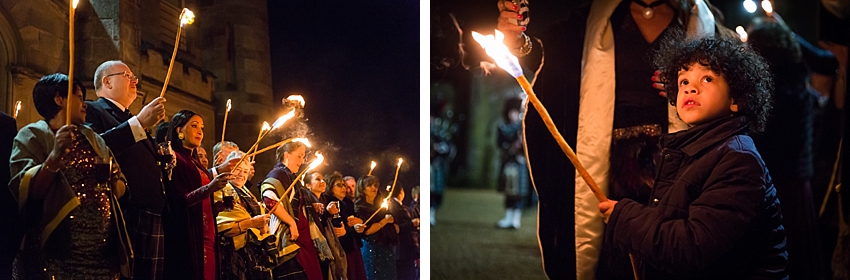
713,211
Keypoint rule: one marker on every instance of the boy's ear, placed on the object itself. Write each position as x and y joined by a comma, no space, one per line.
734,106
59,100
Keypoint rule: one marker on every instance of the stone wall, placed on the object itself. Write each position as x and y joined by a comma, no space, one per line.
34,43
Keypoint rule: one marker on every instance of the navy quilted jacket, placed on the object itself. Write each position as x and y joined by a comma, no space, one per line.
713,212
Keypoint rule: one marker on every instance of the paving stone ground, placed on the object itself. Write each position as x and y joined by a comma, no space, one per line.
466,245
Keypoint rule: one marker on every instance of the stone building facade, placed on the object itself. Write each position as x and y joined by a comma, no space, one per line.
223,55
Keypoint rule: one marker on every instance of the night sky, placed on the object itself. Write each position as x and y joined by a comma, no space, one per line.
356,65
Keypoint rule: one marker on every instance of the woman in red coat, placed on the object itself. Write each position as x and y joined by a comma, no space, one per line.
190,225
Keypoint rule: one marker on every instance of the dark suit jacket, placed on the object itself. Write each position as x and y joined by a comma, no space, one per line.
10,232
137,159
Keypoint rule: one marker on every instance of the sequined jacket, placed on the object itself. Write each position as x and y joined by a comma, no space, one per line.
31,148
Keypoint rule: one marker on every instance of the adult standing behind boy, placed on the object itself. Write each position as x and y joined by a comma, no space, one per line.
12,234
136,152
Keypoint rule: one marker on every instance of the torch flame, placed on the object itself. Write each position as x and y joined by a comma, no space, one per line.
17,108
400,161
388,187
384,204
306,143
742,33
296,98
499,52
228,104
186,17
75,3
265,126
374,164
319,159
767,6
280,121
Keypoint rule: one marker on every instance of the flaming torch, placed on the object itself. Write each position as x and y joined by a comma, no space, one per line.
768,7
278,123
319,159
224,126
396,175
263,129
499,52
278,144
17,108
186,17
373,168
296,98
384,205
72,9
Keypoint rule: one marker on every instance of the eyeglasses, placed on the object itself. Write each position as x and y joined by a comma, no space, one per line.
340,185
127,75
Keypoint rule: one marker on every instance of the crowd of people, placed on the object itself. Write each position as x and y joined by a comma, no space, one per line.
94,195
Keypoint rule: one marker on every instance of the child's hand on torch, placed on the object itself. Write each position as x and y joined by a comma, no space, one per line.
606,208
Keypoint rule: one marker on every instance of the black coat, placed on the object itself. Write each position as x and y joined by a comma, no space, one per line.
351,240
406,248
11,232
713,211
138,160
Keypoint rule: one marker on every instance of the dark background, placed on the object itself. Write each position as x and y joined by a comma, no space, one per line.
356,65
448,66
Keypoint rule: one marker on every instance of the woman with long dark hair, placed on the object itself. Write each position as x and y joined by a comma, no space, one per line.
190,226
381,234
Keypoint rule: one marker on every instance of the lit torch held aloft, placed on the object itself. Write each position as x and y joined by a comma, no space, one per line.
186,17
504,59
72,10
224,125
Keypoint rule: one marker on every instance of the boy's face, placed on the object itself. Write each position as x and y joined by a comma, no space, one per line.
703,95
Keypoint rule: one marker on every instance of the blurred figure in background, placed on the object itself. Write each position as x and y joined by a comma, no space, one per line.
513,175
350,187
406,251
789,161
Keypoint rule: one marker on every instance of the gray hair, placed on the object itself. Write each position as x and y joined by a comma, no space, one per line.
217,147
235,154
100,73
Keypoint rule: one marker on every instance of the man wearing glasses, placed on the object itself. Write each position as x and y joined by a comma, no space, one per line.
136,152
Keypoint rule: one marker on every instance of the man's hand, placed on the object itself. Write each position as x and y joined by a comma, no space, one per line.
606,208
227,166
152,113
